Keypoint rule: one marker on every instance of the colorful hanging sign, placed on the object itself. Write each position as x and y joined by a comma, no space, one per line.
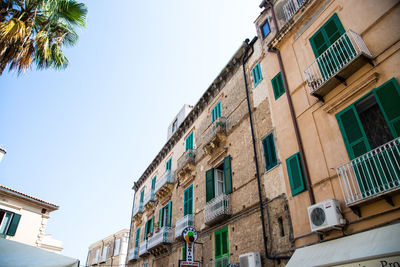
189,234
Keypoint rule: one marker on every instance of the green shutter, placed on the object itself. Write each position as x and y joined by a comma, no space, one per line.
217,244
210,192
169,214
221,243
153,183
14,224
152,224
388,98
256,72
296,174
137,237
353,134
168,164
269,152
277,85
184,252
141,196
145,230
227,175
188,201
160,217
189,141
190,211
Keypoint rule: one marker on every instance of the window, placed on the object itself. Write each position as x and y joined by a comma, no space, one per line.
189,141
146,264
277,85
269,152
174,125
221,247
296,174
188,201
141,196
95,260
265,28
153,182
168,164
256,72
8,222
165,215
117,246
137,237
219,179
148,228
216,111
104,254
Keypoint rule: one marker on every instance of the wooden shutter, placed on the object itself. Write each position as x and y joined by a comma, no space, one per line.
14,224
160,217
210,192
137,237
269,152
185,203
146,230
218,252
189,141
388,98
227,175
169,214
153,182
224,242
296,174
353,134
141,196
253,72
190,201
277,85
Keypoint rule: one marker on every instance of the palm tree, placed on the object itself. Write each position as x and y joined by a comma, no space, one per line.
36,30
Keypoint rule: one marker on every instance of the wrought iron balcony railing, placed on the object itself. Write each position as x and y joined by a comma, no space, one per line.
167,178
187,158
291,7
375,173
149,197
165,235
138,209
216,208
222,262
181,224
133,254
143,248
215,134
340,60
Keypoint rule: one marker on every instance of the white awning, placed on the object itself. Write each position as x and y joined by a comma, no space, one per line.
17,254
372,244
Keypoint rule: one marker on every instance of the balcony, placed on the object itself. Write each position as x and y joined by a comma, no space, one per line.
344,57
186,221
291,7
143,249
149,199
160,242
138,212
165,185
215,135
186,167
133,254
217,209
222,262
372,175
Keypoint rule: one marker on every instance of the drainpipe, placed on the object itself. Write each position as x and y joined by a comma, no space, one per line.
130,228
244,60
292,114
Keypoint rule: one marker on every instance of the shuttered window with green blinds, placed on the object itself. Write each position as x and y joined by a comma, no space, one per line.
165,214
169,217
269,152
148,227
12,229
210,185
277,85
296,174
168,164
153,182
216,111
141,196
137,237
188,201
189,141
227,175
326,35
257,76
212,190
221,243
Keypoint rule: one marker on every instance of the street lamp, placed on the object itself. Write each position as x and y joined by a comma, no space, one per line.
3,151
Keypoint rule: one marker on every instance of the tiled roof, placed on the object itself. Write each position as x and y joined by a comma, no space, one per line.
7,189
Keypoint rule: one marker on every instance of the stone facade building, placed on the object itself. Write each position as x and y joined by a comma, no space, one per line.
110,251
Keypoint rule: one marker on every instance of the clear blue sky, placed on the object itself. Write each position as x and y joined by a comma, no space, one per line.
79,138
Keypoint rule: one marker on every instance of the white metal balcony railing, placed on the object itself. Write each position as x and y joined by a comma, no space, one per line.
149,197
218,206
181,224
166,178
187,157
143,247
222,262
374,173
165,235
133,254
138,209
291,7
343,51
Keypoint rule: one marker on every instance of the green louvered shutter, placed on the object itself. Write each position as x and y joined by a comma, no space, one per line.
145,230
141,196
169,214
277,85
296,174
269,152
152,224
188,201
184,252
210,192
218,252
189,141
388,98
153,183
137,237
185,204
160,217
353,134
13,225
227,175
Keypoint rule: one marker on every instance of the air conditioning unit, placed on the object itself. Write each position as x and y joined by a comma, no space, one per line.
251,259
325,215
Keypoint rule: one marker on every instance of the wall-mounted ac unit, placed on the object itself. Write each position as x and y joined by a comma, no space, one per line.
325,215
251,259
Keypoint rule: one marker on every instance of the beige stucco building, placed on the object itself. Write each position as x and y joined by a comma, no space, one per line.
23,218
110,251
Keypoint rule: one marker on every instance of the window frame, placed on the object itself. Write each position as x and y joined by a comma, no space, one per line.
12,224
219,232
